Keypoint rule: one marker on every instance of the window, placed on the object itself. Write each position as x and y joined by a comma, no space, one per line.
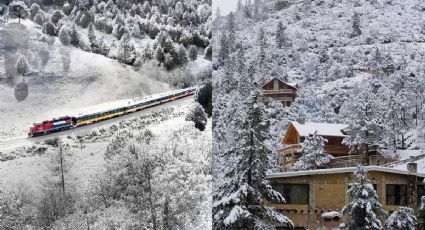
396,194
421,192
293,193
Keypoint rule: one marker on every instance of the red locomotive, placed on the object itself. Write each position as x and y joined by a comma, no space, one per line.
55,125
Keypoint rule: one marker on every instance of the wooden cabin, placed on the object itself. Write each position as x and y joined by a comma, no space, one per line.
309,194
280,91
334,134
298,130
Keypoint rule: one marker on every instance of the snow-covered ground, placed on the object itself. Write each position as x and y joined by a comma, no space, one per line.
31,169
70,79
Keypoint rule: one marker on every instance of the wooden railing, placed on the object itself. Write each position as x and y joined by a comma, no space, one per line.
279,91
288,155
337,149
290,99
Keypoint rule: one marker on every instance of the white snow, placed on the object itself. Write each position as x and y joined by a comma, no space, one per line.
342,170
322,129
331,214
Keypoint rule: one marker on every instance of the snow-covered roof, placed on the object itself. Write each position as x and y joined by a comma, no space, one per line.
331,214
292,84
342,170
322,129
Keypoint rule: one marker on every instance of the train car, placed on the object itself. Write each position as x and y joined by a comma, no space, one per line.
69,122
151,102
100,116
50,126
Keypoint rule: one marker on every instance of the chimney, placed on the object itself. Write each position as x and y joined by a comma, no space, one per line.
412,166
301,120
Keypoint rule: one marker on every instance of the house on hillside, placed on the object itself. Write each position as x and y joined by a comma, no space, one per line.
280,91
309,194
334,134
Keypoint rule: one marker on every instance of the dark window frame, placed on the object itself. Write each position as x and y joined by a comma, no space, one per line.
395,196
420,192
285,190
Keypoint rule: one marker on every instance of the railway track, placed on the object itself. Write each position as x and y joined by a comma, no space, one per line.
83,130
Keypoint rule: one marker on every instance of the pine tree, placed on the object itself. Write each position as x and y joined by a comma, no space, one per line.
75,37
159,54
364,208
240,59
224,50
126,50
402,219
91,33
231,30
22,66
181,55
280,35
364,113
262,43
239,5
356,25
313,153
239,202
63,35
18,9
198,116
421,210
193,53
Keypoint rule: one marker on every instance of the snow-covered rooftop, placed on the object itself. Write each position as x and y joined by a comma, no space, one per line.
292,84
322,129
342,170
331,214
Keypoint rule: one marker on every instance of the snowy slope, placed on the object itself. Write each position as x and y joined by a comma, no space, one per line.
30,169
337,51
92,79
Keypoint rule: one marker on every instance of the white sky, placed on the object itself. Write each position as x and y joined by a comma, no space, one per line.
225,6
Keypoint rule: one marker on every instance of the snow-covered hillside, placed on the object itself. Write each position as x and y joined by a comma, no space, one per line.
358,63
98,63
180,176
335,51
92,79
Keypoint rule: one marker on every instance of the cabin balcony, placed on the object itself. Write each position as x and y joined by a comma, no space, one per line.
290,154
288,99
278,91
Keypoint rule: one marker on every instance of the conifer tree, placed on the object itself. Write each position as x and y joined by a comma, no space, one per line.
356,25
18,9
313,153
364,113
239,5
262,42
402,219
91,33
193,53
22,66
280,35
421,210
126,50
364,208
181,55
224,50
231,29
63,35
75,37
239,203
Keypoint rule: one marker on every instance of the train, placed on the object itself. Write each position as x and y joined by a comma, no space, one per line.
71,122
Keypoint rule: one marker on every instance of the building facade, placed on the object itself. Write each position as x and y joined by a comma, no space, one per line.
309,194
280,91
334,135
